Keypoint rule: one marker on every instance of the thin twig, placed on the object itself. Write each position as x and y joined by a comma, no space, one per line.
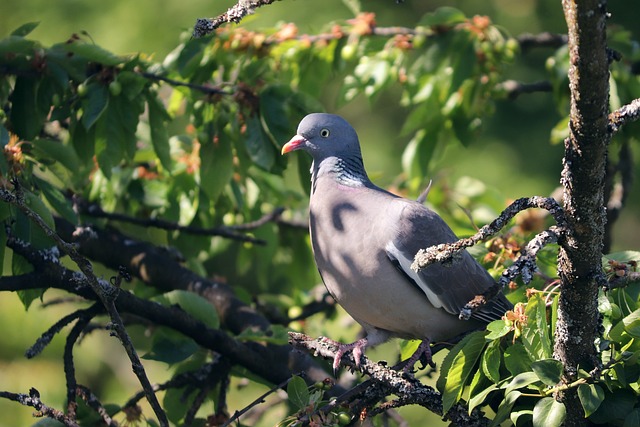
446,251
48,335
623,115
256,402
228,232
33,400
513,89
209,90
234,14
528,41
622,281
94,403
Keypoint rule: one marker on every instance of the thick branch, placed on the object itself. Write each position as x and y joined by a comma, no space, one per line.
583,178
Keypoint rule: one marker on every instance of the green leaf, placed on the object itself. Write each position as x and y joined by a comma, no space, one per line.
521,380
632,323
408,348
497,329
633,419
419,152
516,359
536,335
216,164
298,393
92,52
55,150
591,396
273,114
461,368
480,388
193,304
94,104
491,359
615,407
159,136
548,413
260,149
504,409
548,370
170,347
443,16
57,200
25,115
524,416
24,29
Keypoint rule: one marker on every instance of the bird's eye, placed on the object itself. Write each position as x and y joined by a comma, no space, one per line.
324,133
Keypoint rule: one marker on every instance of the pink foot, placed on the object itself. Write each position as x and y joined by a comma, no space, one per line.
357,348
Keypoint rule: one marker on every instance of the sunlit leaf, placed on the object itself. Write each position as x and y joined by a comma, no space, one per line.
549,413
491,361
461,368
497,329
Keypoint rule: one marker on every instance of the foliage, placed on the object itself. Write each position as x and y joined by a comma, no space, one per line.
195,141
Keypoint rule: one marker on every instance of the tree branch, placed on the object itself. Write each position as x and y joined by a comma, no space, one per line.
234,14
623,115
528,41
33,399
96,211
446,251
513,89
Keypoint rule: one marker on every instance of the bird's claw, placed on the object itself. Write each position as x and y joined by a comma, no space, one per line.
422,354
356,348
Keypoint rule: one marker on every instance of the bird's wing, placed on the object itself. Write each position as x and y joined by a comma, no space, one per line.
449,287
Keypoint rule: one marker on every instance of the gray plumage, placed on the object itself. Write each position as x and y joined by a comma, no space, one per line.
364,240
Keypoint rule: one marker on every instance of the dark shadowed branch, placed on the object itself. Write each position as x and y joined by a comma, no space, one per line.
96,211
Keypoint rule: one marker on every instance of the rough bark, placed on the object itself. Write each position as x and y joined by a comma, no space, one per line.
583,178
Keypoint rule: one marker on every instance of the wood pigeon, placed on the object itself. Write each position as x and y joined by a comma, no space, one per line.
364,240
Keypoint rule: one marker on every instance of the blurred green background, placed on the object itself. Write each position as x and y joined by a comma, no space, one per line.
513,155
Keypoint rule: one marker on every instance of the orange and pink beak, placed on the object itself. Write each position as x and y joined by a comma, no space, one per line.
294,143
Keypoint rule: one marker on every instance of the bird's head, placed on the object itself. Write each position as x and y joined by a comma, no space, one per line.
324,135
